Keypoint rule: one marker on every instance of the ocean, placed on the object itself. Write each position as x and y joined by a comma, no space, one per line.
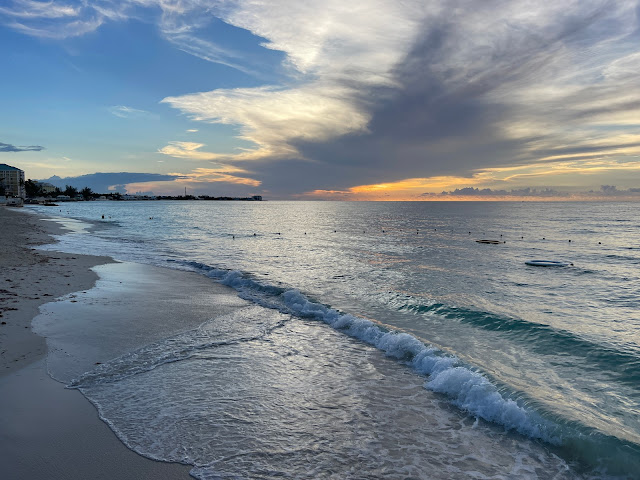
379,339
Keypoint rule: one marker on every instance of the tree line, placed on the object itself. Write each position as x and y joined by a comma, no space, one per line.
34,189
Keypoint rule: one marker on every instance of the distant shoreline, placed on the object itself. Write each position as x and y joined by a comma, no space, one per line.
144,198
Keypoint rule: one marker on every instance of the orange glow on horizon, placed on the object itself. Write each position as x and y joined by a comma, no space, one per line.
498,178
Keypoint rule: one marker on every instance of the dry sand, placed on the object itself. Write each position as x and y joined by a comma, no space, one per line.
46,431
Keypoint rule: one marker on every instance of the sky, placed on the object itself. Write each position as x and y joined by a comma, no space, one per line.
326,99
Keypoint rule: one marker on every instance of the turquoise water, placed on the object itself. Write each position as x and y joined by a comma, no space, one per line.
547,357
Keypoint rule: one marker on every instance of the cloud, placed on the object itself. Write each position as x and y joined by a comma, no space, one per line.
123,111
333,55
6,147
606,191
488,192
219,180
187,150
382,92
273,118
526,180
181,22
231,177
105,182
456,87
221,173
32,9
208,51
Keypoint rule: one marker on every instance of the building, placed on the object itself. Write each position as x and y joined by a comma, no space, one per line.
12,179
46,187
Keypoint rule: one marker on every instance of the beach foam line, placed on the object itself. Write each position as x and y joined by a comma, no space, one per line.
173,349
467,389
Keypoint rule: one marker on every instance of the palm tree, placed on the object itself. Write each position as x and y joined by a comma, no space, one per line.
87,193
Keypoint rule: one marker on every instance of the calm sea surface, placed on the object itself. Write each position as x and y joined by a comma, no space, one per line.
383,340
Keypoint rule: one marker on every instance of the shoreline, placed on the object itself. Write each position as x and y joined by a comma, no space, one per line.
30,278
46,430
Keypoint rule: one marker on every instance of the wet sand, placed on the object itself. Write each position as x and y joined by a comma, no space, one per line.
30,278
47,431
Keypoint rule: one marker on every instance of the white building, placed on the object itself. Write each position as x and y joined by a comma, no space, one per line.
12,179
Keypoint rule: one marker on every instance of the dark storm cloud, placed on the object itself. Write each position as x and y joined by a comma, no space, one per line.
8,148
448,111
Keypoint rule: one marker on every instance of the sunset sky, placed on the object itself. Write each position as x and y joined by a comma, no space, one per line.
296,99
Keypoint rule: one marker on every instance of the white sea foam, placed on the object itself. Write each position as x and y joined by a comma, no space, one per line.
400,277
467,389
230,329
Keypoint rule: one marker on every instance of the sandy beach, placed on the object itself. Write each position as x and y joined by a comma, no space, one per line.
30,278
47,431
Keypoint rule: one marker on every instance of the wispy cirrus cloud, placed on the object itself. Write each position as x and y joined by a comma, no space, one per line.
30,9
123,111
54,20
209,51
180,22
71,29
8,148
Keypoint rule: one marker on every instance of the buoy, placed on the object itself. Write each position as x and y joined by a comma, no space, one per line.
547,263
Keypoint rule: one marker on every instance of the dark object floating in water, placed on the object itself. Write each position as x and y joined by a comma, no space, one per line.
547,263
50,204
490,242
